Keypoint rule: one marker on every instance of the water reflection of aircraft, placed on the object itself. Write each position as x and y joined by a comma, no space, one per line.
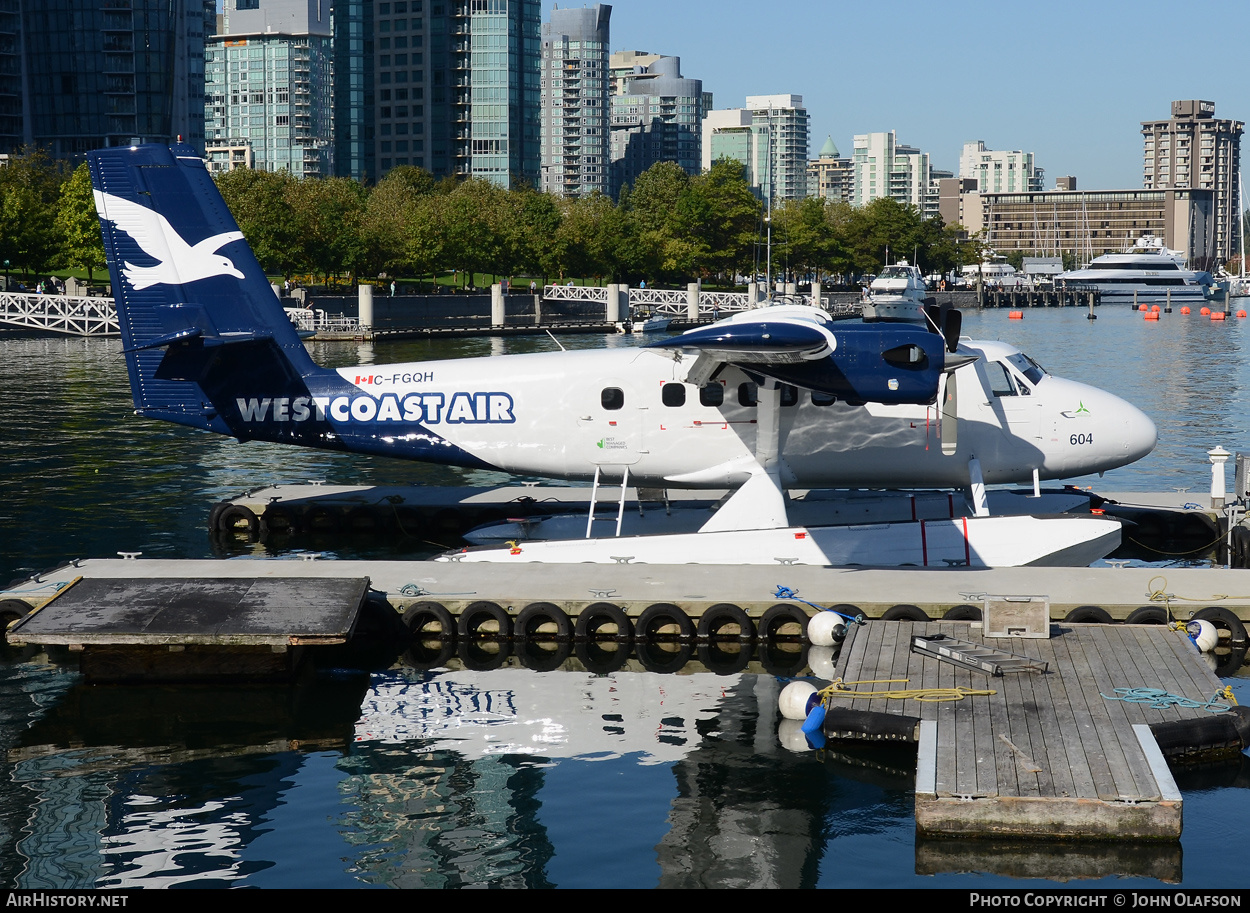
762,402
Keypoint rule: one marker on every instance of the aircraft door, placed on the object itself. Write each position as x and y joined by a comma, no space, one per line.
610,425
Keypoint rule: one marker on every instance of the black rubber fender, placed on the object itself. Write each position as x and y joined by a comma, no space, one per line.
963,613
664,657
233,518
598,659
322,519
905,613
1209,736
485,655
598,615
280,519
870,725
780,616
1225,618
469,624
725,658
420,614
663,615
1088,615
1147,615
723,615
543,655
11,610
537,615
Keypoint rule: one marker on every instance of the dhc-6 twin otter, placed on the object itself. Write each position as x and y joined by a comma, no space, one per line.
768,400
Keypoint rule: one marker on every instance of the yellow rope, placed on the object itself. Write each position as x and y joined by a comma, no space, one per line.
840,688
1160,594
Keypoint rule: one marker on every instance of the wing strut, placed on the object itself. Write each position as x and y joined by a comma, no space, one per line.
760,503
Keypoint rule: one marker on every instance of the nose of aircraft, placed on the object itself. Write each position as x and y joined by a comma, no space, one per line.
1140,434
1096,430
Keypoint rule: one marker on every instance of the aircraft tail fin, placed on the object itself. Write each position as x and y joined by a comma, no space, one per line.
198,316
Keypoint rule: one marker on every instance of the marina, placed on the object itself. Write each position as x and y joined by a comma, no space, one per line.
668,722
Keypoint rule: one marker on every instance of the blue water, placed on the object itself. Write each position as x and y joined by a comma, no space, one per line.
399,777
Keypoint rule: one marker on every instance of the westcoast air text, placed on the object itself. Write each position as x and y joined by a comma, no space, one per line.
424,408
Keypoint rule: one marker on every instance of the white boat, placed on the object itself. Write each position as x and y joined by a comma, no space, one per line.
897,294
1148,269
643,324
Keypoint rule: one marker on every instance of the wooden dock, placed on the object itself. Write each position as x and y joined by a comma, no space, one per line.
1046,756
188,628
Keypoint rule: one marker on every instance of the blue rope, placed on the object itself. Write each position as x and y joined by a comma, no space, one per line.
1159,699
785,592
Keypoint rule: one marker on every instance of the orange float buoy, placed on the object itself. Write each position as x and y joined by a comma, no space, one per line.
1150,315
1185,309
1205,311
1016,315
1241,314
1218,315
1155,308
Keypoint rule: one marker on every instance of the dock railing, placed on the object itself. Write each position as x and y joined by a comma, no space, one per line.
69,314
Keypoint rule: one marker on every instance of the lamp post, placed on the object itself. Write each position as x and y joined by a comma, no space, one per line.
6,275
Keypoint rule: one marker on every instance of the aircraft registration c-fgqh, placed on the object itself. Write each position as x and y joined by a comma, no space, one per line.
767,400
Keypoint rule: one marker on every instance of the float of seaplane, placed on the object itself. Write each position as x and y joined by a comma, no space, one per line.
760,404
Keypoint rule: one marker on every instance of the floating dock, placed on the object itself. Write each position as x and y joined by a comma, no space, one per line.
1047,755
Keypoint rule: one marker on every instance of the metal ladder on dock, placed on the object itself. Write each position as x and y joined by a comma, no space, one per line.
976,657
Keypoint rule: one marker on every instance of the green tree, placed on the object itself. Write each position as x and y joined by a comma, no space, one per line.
78,224
390,210
730,215
474,236
30,191
327,215
260,203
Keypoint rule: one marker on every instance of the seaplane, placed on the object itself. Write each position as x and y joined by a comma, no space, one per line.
762,403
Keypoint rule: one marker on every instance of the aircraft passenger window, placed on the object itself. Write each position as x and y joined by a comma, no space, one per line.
748,394
823,399
712,394
612,398
673,394
1000,380
789,395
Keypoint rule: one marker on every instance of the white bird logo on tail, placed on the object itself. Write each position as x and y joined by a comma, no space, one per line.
178,262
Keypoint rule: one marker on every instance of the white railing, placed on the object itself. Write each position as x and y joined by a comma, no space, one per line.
672,302
575,293
318,321
67,314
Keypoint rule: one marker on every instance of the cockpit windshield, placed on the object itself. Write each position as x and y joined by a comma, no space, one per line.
895,272
1027,366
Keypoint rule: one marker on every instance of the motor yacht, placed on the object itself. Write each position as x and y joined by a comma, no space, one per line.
1148,268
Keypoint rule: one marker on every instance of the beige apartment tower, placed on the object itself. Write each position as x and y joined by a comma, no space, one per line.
1195,149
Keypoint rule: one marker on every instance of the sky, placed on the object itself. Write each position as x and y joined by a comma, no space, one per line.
1070,82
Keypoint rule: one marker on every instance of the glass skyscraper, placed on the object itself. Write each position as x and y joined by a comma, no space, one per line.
99,73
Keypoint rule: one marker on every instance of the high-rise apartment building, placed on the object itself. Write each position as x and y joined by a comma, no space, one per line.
784,122
657,116
1194,149
456,87
353,98
769,137
1000,171
269,86
77,75
575,110
884,167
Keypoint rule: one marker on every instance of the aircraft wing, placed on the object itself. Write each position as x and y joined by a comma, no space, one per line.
884,363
